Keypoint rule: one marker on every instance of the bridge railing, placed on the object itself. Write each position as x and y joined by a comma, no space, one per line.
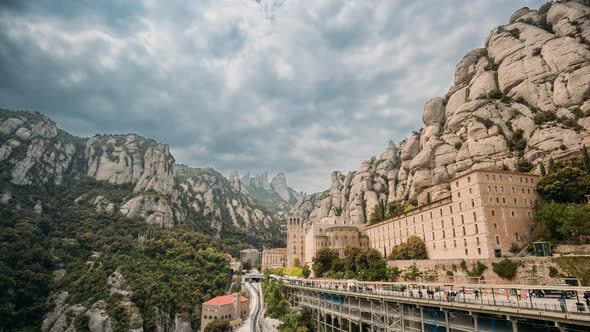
513,296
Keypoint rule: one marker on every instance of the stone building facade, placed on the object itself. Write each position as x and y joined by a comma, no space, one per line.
233,308
485,214
330,232
295,240
272,258
252,255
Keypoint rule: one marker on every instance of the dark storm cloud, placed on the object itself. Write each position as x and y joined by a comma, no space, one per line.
305,87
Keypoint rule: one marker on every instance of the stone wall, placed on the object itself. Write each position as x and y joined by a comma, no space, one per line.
567,249
525,274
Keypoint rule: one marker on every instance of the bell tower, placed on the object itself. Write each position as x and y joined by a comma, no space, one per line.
295,240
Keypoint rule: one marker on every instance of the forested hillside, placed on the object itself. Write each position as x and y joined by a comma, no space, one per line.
103,270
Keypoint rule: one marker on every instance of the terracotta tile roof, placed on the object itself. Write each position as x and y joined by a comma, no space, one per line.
224,299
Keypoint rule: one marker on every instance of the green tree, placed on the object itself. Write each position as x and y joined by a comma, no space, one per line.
506,269
217,326
247,265
514,249
542,169
413,248
297,262
412,273
325,260
379,213
306,271
541,233
567,184
586,158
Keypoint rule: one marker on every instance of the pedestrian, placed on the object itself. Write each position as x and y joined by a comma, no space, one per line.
476,292
420,293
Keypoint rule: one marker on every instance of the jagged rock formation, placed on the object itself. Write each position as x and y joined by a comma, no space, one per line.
33,151
209,194
121,159
521,100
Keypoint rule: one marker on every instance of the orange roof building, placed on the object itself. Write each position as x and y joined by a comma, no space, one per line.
233,308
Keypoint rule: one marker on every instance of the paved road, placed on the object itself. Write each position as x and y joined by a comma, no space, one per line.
251,322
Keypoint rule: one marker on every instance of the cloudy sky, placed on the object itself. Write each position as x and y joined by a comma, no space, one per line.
303,87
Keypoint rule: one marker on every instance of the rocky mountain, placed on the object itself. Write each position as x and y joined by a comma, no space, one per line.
522,99
275,196
34,151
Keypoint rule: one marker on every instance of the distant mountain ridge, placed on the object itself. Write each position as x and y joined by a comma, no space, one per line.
34,151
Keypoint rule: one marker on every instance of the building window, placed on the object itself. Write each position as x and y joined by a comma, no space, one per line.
465,242
491,199
497,240
474,216
500,177
445,244
501,188
464,231
451,209
457,184
452,221
466,252
472,203
496,188
513,190
522,189
462,220
469,179
455,243
477,239
530,215
487,177
504,200
430,214
479,251
489,189
511,178
442,224
526,180
517,236
454,232
476,229
460,206
493,213
444,235
458,195
441,212
512,214
498,200
515,201
470,191
433,236
524,201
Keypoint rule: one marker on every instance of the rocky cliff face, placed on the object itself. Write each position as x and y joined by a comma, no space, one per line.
521,100
33,151
210,195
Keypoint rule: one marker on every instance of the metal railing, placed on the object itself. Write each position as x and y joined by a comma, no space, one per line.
461,296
